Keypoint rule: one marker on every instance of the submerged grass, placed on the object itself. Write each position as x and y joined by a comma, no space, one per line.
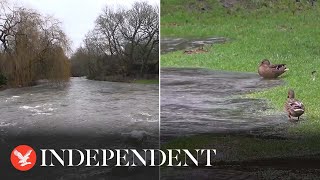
285,32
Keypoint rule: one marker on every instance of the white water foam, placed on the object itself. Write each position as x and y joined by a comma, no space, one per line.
13,98
143,116
3,124
44,109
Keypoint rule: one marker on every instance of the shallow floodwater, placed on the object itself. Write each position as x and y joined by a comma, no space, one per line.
175,44
197,101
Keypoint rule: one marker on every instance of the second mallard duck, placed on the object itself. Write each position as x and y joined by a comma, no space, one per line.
293,107
271,71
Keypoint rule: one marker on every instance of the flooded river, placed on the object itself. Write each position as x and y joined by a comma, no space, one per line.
79,114
80,107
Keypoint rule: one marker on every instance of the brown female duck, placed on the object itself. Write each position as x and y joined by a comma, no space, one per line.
294,107
270,71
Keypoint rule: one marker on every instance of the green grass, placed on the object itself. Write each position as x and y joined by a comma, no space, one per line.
146,81
272,32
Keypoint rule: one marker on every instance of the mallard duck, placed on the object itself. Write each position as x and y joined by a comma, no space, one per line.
294,107
270,71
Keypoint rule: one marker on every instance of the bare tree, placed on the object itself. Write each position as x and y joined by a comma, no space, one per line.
127,40
9,19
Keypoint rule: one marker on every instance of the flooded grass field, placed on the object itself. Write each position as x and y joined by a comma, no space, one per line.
198,101
213,109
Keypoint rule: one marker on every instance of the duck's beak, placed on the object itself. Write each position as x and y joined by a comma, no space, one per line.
286,69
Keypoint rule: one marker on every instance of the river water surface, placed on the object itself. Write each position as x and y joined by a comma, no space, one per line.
80,107
197,101
80,114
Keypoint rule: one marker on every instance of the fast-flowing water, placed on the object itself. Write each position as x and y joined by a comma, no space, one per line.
196,101
80,107
80,114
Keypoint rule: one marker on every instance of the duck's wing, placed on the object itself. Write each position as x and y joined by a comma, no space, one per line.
288,105
294,107
298,105
295,104
278,67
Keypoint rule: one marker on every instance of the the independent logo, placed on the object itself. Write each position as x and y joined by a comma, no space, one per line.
23,157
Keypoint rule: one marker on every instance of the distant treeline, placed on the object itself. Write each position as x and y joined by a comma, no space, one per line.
124,44
32,47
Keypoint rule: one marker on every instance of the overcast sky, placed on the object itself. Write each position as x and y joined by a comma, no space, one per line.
77,16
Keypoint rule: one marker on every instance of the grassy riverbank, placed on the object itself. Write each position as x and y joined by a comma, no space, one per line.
285,32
